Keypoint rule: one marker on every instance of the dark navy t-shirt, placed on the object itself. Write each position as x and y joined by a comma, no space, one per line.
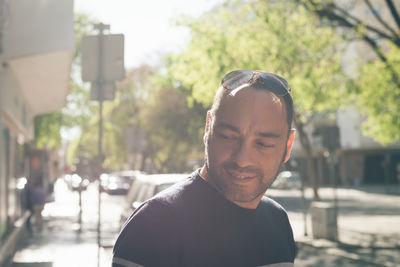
192,224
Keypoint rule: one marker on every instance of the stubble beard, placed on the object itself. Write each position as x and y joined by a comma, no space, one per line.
218,177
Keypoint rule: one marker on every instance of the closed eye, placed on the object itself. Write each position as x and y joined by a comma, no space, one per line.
264,145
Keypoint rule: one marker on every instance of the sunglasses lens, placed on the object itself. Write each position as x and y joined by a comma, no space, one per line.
236,78
274,83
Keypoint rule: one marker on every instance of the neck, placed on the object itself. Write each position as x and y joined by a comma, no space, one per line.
203,173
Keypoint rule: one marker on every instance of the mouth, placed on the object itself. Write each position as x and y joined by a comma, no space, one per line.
238,177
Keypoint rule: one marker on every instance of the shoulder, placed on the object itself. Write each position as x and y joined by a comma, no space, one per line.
161,206
269,205
273,214
149,235
179,195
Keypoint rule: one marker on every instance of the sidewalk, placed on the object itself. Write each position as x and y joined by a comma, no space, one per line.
60,244
368,227
57,246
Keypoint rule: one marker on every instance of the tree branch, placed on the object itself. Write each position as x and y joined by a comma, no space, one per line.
379,17
394,12
328,12
334,13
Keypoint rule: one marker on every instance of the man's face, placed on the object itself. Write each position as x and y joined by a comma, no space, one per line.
246,141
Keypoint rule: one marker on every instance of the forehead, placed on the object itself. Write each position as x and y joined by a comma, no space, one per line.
251,109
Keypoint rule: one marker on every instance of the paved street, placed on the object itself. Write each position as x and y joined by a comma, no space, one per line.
368,225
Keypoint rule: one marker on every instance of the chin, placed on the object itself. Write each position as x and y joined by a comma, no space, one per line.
238,192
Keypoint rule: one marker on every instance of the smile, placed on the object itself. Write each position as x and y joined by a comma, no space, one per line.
241,177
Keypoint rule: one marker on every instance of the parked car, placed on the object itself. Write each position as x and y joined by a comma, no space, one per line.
76,182
118,183
287,180
146,186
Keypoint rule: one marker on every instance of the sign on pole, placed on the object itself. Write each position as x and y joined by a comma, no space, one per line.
108,91
113,57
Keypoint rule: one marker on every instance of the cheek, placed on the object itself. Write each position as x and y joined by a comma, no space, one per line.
218,150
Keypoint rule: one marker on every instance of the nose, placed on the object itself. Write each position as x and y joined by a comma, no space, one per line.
242,156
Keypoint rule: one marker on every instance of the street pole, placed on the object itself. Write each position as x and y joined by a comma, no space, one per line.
304,207
335,183
80,207
332,168
304,204
386,171
102,68
101,27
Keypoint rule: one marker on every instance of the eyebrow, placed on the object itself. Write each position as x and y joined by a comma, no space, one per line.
224,125
269,135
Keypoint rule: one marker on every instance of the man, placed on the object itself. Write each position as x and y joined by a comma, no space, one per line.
219,216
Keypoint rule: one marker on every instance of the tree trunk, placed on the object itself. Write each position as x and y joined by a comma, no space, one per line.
143,163
305,143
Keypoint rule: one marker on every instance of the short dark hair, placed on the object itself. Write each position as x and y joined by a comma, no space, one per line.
258,80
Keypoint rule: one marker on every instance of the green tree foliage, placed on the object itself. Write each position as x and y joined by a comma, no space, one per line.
275,36
379,97
147,100
124,113
87,143
377,84
47,130
173,127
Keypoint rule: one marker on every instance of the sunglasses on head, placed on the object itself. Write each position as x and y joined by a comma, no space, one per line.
256,79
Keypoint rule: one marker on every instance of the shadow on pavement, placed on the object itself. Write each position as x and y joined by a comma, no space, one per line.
32,264
310,257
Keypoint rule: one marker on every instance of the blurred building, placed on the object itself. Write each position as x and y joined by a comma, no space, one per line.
360,159
36,53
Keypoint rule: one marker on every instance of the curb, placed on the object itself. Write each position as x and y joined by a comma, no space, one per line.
8,249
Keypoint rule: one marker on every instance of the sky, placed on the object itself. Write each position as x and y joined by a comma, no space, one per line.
147,25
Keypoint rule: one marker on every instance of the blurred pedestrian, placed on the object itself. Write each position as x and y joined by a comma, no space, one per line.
29,205
219,216
38,196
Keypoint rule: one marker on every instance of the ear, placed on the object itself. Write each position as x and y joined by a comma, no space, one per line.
207,128
289,144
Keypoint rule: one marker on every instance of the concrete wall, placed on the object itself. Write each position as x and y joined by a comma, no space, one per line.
15,113
36,53
34,27
38,47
